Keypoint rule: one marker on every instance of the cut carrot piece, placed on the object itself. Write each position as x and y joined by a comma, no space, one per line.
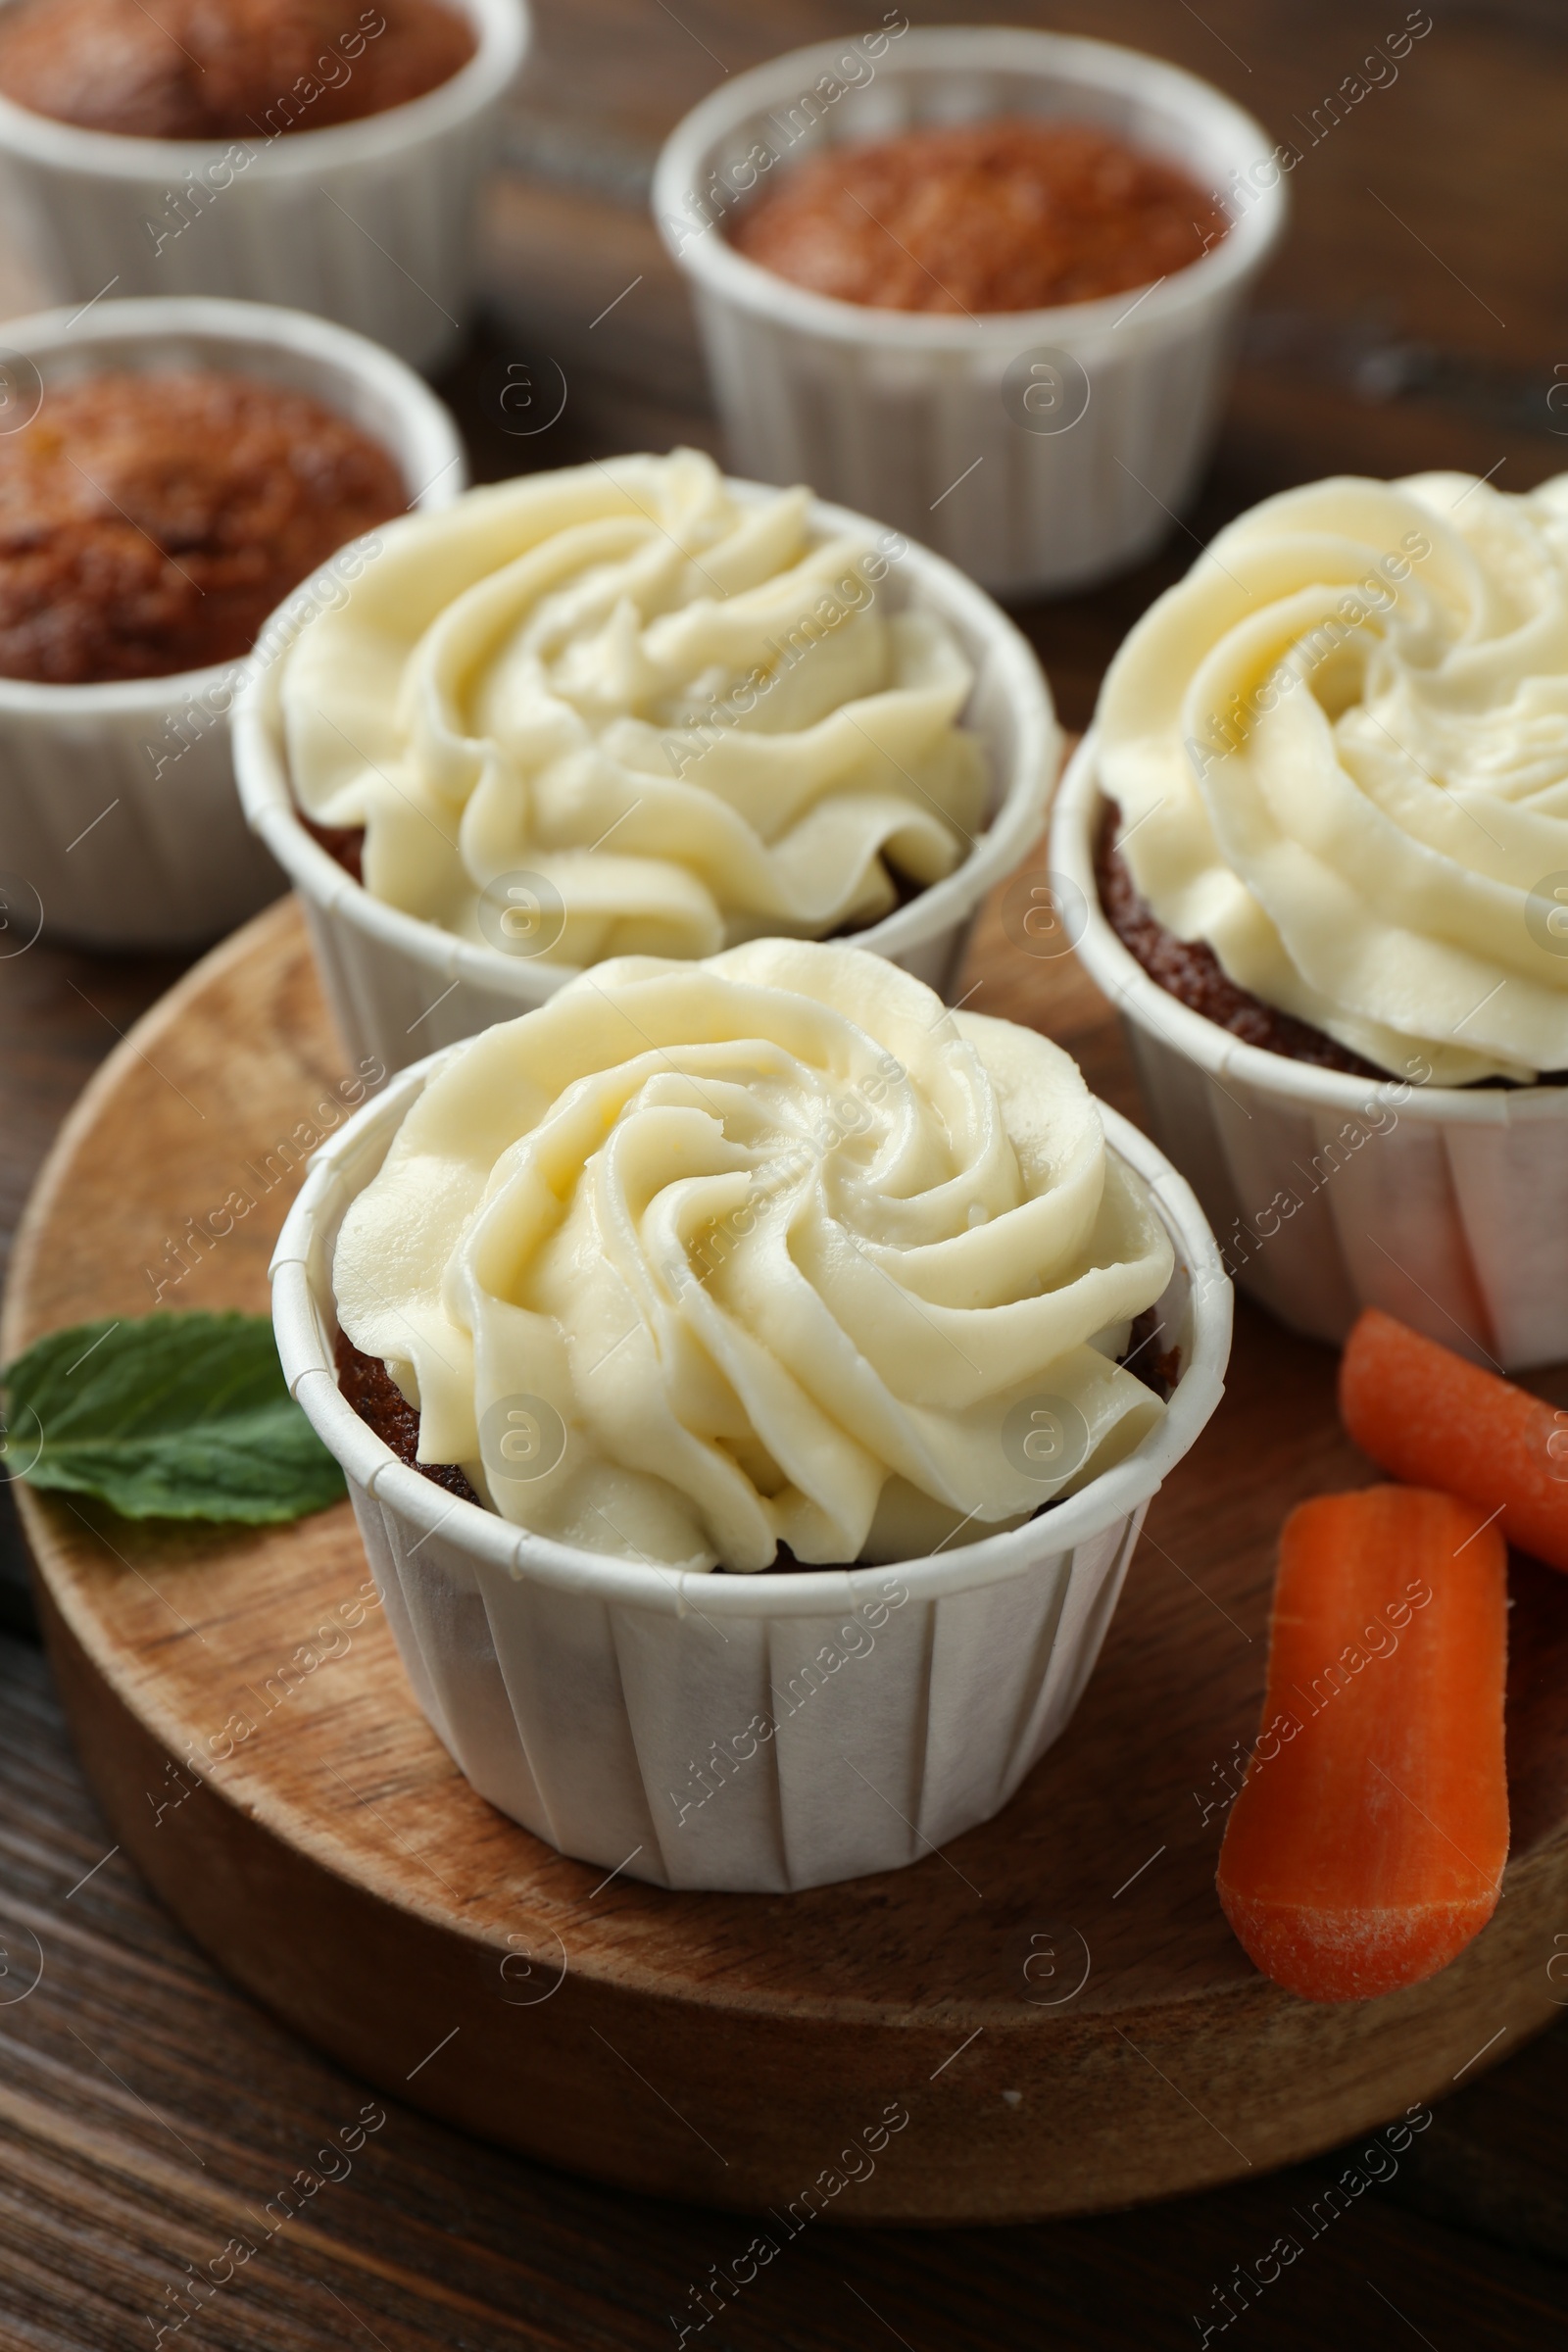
1367,1846
1426,1415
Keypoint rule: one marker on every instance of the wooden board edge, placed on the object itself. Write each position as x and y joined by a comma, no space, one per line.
79,1120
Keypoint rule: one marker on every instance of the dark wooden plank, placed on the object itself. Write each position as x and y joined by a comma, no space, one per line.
1467,148
148,2114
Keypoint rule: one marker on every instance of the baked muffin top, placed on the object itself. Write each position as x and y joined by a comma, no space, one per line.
1009,215
225,69
149,523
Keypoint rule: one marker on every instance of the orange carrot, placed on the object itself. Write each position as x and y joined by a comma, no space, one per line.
1367,1846
1427,1416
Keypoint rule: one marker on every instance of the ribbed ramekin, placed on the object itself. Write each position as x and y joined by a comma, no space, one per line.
119,821
1447,1206
370,223
400,987
755,1734
923,417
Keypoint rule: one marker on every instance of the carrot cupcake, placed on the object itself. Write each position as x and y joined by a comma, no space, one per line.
1334,764
765,1262
634,708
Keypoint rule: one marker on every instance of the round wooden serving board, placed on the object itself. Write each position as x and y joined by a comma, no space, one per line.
1054,2002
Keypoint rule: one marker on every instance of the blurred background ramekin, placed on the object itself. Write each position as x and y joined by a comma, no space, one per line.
399,985
1447,1206
575,1689
920,416
370,223
119,826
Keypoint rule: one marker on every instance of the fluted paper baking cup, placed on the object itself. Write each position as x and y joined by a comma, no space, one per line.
1041,450
398,987
753,1734
119,826
368,223
1447,1206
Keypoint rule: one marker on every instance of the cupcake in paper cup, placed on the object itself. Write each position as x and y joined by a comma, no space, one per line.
1317,851
749,1378
317,154
982,280
168,471
633,708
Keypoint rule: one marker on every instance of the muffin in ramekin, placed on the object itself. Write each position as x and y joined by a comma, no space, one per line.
1333,766
1039,449
632,706
368,221
118,824
790,1362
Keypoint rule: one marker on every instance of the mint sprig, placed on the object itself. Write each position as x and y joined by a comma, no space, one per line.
167,1417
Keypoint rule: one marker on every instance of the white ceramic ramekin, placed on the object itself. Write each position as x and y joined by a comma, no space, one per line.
1447,1206
119,820
755,1734
1032,481
370,223
398,987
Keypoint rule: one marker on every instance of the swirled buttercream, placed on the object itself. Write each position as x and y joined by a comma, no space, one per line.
1340,747
699,1260
620,711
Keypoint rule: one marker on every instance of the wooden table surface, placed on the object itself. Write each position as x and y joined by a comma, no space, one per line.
1415,318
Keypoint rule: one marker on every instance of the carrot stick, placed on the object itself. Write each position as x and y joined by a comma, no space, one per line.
1427,1416
1367,1846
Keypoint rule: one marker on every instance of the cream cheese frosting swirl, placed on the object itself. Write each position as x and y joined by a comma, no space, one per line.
1339,749
618,710
702,1258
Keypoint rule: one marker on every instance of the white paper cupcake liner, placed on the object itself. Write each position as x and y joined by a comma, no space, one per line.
1041,450
400,987
119,826
370,223
753,1734
1447,1206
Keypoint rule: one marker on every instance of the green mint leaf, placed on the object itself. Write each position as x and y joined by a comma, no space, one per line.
168,1417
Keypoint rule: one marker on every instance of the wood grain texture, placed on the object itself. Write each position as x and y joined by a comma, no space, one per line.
715,2046
1367,355
149,2111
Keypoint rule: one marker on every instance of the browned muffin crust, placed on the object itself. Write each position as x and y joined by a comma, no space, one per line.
382,1406
243,69
1188,970
1158,1368
1006,215
150,523
343,843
